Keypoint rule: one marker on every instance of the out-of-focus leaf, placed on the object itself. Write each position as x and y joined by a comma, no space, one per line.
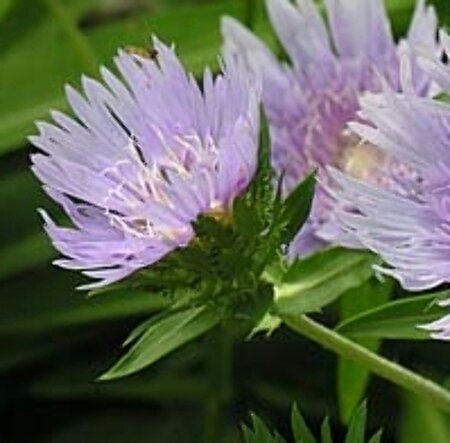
397,319
21,351
22,217
25,254
5,5
315,281
18,18
27,308
48,57
352,378
125,426
23,244
325,431
113,306
421,423
70,385
161,337
376,438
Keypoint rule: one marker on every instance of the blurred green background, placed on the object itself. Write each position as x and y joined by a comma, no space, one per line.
54,342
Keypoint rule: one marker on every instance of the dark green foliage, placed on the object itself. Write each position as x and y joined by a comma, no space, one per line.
258,432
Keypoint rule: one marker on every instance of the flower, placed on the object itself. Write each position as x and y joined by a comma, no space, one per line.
310,101
407,222
143,157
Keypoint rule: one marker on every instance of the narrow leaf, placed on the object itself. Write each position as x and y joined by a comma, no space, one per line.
259,432
376,438
302,433
318,280
357,427
161,338
297,206
325,431
397,319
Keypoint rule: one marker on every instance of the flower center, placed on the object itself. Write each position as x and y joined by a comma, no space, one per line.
358,158
218,212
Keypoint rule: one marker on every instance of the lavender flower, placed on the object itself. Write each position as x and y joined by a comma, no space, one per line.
407,221
310,102
143,157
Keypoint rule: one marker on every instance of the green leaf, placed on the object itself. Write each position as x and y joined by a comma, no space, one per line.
300,429
18,19
25,254
325,431
296,207
23,350
253,210
53,311
127,425
5,5
268,325
397,319
48,55
259,433
357,427
376,438
352,378
421,422
75,383
316,281
162,337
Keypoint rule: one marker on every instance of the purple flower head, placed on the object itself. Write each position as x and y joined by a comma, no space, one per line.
144,155
310,101
407,221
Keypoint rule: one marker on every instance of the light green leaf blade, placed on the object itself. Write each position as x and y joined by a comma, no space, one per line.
258,432
318,280
302,433
268,325
352,378
376,438
357,427
420,422
162,337
325,431
397,319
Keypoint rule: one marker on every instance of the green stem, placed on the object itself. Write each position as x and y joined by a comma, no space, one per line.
384,368
219,361
78,40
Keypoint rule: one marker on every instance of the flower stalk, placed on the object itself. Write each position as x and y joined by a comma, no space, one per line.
377,364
